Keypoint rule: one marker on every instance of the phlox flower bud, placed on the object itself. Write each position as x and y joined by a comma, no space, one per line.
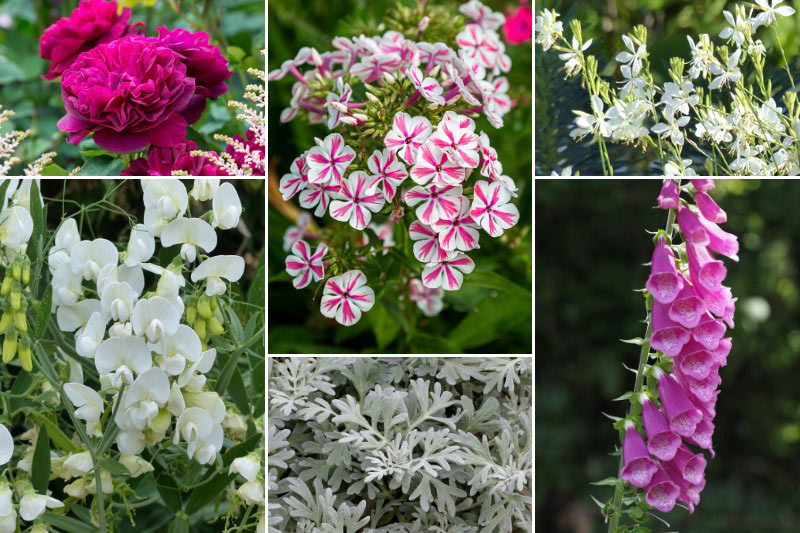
638,468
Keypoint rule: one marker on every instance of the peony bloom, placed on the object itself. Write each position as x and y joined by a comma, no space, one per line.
204,62
92,23
518,27
163,161
129,93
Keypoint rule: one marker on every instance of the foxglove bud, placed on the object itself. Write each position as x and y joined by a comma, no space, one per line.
709,208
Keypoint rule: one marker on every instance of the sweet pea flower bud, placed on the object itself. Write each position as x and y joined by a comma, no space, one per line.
15,300
204,188
665,282
79,463
26,273
135,465
226,207
5,321
25,357
204,307
214,327
9,347
6,287
200,328
16,271
638,468
669,198
252,492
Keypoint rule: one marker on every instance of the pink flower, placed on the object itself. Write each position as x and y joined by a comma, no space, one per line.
518,28
461,233
669,197
371,68
254,156
407,135
490,208
92,23
355,202
490,165
435,54
703,184
482,15
295,233
447,274
130,93
665,282
345,92
437,202
428,300
387,173
304,55
328,161
661,493
162,161
385,233
709,208
303,266
318,196
426,245
345,297
429,88
296,180
457,140
495,95
433,164
479,45
638,468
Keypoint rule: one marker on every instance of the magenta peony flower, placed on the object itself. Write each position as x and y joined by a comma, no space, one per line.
92,23
239,157
162,161
130,93
204,63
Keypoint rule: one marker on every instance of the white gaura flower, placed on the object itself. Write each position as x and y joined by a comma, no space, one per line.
141,246
190,233
154,318
702,56
248,466
88,257
6,445
176,349
572,60
141,403
631,59
680,97
204,188
226,207
32,505
252,492
72,317
767,17
79,463
67,285
89,404
215,269
91,335
548,28
120,357
66,237
202,434
16,226
737,28
671,127
723,76
591,123
135,465
208,401
117,301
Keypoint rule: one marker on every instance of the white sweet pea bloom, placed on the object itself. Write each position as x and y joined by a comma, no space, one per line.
192,378
141,246
88,257
190,232
8,515
135,465
32,505
79,463
6,445
141,403
22,196
176,349
72,317
176,404
78,488
226,207
208,401
117,301
164,200
90,405
214,269
132,275
118,358
202,434
16,227
67,285
154,318
248,466
204,188
8,522
66,237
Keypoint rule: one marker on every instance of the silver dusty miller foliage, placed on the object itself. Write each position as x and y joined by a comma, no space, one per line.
399,445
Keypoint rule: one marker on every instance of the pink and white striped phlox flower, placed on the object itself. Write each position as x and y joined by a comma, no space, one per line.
343,97
354,202
371,68
303,266
346,297
434,166
456,137
479,45
426,243
428,300
318,196
435,202
407,135
387,173
428,88
296,232
491,208
328,161
296,180
461,233
447,274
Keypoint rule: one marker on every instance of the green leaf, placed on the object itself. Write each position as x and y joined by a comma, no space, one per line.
115,468
169,491
40,469
22,383
54,170
422,342
384,326
625,396
494,281
238,392
493,318
44,312
236,54
206,492
609,481
102,166
201,141
236,326
37,215
67,524
636,513
59,439
256,294
178,525
3,189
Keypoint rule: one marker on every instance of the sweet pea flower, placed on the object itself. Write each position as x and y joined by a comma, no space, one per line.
190,233
436,202
6,445
491,208
426,245
328,161
226,207
303,266
461,233
428,300
296,180
248,466
117,301
407,135
89,405
202,434
638,468
88,257
141,403
16,227
154,317
387,173
176,349
8,515
428,88
252,492
164,199
66,237
449,273
33,505
355,204
345,297
135,465
67,285
120,357
204,188
215,269
141,246
72,317
435,166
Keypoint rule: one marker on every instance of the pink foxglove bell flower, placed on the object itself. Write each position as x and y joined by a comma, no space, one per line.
664,283
346,297
303,266
699,231
668,336
668,198
638,467
328,161
428,88
435,202
709,332
461,233
491,208
428,300
296,180
703,184
426,243
682,415
434,166
295,233
457,140
407,135
662,442
705,271
662,492
688,308
387,173
709,208
355,204
447,274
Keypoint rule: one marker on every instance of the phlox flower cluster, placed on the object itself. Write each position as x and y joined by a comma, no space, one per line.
690,310
437,150
718,102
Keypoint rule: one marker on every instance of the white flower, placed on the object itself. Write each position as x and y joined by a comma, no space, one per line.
226,207
572,58
122,357
767,17
6,445
135,465
133,276
208,401
248,466
204,188
631,59
215,269
155,317
671,127
732,74
32,505
91,335
88,257
202,434
252,492
625,119
748,163
141,403
72,317
176,349
548,28
67,285
90,405
191,232
6,503
8,522
679,97
117,300
66,237
702,56
737,28
595,123
141,246
16,227
715,125
164,199
681,168
78,464
191,378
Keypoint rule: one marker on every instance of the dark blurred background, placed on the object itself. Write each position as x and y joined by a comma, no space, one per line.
474,318
591,244
668,22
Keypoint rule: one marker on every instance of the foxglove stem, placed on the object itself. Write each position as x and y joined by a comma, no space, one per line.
637,386
412,99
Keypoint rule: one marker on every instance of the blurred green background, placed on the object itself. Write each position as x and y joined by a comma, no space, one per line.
476,318
668,22
235,26
591,244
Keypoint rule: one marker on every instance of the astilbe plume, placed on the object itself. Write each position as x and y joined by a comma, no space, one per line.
8,145
688,310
